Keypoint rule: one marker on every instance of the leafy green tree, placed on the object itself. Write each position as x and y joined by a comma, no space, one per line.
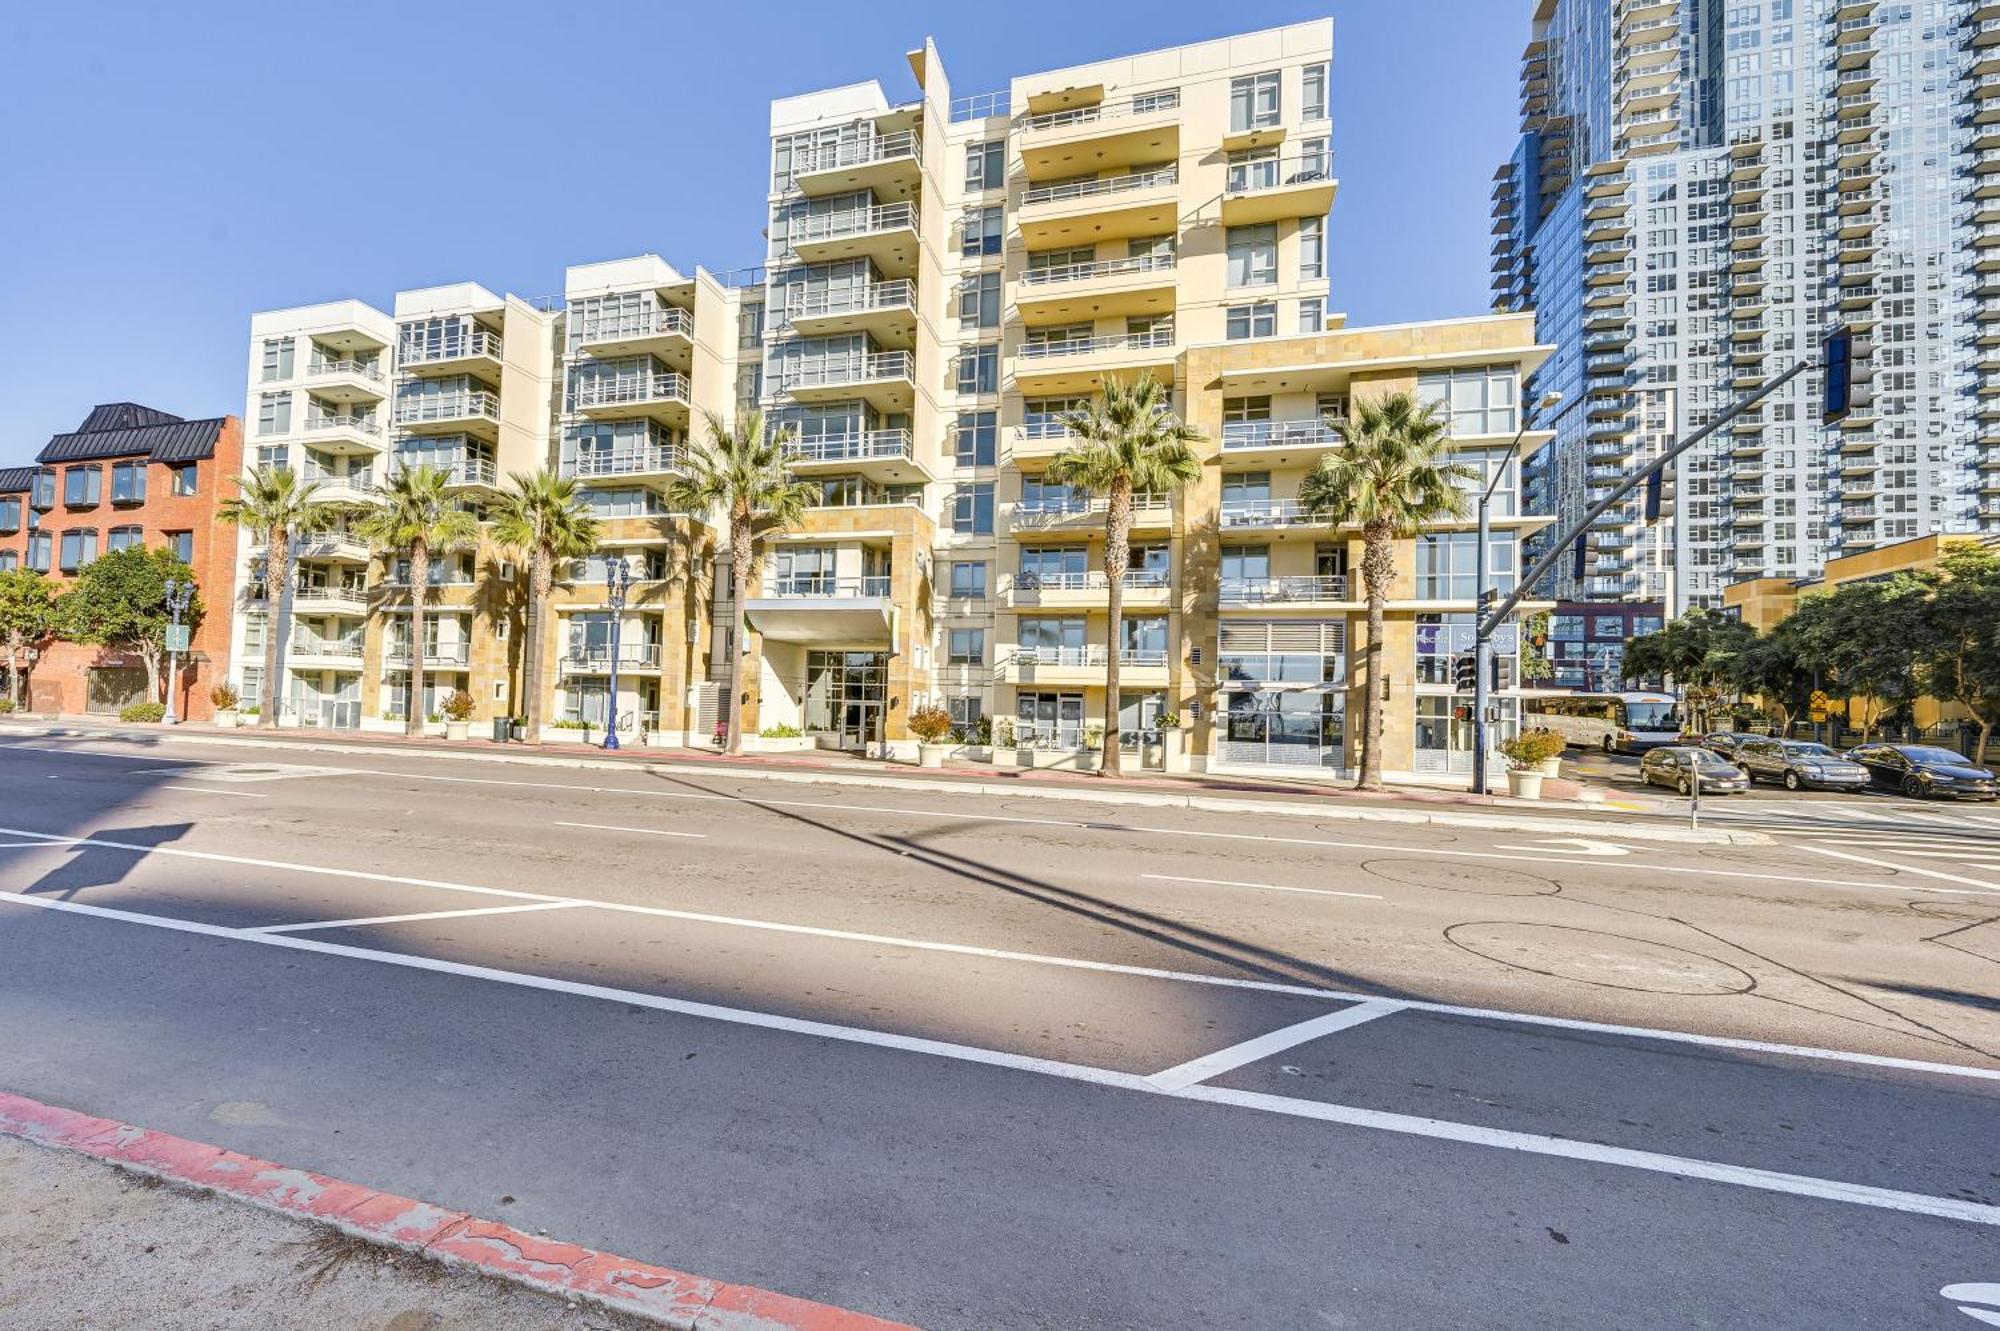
27,617
1770,668
1698,652
418,519
1535,662
119,601
1390,476
1960,657
541,517
745,470
1874,636
1127,441
275,507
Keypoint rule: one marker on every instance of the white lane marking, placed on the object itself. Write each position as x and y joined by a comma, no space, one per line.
22,845
403,919
647,831
1268,887
1980,1293
210,790
1797,1185
1905,868
1072,963
1571,845
1920,850
1197,1070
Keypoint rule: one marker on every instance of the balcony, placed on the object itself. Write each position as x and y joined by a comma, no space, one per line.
475,410
308,650
437,656
346,381
1269,191
1144,128
1267,515
883,456
888,165
1085,517
1306,592
1077,364
823,609
656,461
346,435
332,597
1076,212
1142,284
666,332
1084,666
886,379
1244,436
339,546
885,234
354,487
472,351
660,395
470,473
1143,587
886,311
596,659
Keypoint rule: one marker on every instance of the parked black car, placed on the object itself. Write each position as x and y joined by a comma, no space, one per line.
1677,765
1728,743
1922,771
1800,765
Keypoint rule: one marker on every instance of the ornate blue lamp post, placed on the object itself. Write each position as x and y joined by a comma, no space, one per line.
180,593
617,581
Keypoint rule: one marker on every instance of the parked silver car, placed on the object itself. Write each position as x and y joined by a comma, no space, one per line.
1799,765
1680,765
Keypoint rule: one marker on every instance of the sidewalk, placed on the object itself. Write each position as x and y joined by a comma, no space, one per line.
1590,810
109,1226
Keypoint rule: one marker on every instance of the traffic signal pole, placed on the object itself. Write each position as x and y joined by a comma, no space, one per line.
1487,622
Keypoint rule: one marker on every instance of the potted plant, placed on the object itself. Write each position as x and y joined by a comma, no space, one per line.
1525,754
931,725
1173,742
458,714
225,699
1552,764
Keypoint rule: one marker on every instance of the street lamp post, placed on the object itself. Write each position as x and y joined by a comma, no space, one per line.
1482,638
617,581
180,594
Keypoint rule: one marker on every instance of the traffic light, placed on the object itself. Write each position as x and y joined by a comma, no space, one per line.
1465,672
1582,557
1655,484
1837,357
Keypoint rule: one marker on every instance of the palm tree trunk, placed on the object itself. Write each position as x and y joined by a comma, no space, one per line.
420,581
277,576
540,575
739,657
1377,570
1117,557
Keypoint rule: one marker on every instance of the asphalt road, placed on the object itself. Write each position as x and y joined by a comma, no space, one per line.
984,1063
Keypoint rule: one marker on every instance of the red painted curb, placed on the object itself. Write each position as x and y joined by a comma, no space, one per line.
675,1298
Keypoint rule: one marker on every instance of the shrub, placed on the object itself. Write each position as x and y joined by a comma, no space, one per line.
930,724
6,706
143,711
1093,738
1531,747
1170,721
780,732
458,706
567,723
224,697
253,710
1002,730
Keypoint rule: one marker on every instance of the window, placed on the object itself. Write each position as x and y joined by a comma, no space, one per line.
986,165
968,578
1246,321
187,479
1608,626
277,358
274,413
79,548
1312,248
124,538
979,369
966,713
973,441
1480,400
1253,102
1445,565
982,232
972,509
128,483
41,550
43,496
965,647
979,300
182,544
1312,97
1253,255
1312,314
9,560
83,487
10,516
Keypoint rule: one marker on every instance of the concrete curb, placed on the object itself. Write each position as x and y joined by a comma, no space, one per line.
1625,829
672,1298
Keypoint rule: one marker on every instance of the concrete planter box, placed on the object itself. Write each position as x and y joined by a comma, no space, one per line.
1525,784
456,730
779,744
1176,754
1085,760
932,755
226,719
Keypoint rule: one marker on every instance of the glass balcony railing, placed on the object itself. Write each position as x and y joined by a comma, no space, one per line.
1267,513
862,152
851,222
1279,173
1092,580
872,296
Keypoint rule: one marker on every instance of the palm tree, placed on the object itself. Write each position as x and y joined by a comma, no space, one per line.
1389,477
272,501
1128,439
746,471
541,517
418,517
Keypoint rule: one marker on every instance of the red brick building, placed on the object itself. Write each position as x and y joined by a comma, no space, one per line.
129,475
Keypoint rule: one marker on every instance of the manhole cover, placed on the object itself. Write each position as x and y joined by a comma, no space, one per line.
1477,879
1590,957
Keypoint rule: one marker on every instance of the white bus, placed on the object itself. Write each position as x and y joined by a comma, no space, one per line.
1614,722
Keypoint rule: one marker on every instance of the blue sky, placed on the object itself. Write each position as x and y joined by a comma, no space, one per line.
172,168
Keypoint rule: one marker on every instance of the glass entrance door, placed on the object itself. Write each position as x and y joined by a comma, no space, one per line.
845,695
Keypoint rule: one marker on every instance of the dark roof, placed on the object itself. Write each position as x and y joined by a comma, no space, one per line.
17,480
126,429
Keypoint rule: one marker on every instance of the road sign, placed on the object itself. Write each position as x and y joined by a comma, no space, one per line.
1817,715
177,637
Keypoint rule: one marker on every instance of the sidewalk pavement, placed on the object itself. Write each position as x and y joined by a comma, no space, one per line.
1578,809
105,1225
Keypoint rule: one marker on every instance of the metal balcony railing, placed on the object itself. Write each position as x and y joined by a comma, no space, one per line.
624,390
1093,580
819,585
322,368
1272,591
1077,272
626,462
1049,512
849,370
597,660
1275,434
668,319
368,425
1279,173
1084,189
479,404
1146,103
437,654
872,296
836,156
859,446
1265,513
460,346
852,222
1083,346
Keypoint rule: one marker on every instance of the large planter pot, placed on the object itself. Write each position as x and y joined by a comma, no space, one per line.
226,719
1153,756
1524,784
457,729
1175,744
932,755
1551,767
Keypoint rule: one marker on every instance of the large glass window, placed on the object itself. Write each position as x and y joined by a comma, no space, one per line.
10,516
1253,255
1478,400
1312,99
979,300
983,229
79,548
41,551
986,165
979,369
1445,565
972,509
9,560
1253,102
1052,566
1248,321
124,538
968,579
974,441
274,413
128,483
1312,248
965,647
83,487
278,357
187,478
182,544
43,495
